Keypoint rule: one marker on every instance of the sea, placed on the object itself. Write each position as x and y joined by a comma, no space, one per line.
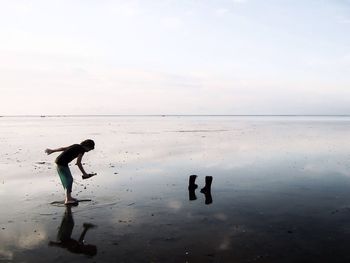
177,189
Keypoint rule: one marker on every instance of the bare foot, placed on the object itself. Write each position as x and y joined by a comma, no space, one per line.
71,202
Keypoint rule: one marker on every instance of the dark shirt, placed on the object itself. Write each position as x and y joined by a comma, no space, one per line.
70,154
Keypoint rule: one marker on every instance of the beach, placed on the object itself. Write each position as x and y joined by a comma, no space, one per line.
280,189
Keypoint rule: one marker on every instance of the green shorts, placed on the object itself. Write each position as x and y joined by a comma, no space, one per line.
66,177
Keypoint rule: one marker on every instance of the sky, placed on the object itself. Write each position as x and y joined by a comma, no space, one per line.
174,57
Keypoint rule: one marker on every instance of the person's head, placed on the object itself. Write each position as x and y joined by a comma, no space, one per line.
88,144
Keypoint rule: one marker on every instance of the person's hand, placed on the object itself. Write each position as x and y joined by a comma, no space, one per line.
86,176
49,151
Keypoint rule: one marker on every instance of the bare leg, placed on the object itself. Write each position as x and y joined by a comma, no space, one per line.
207,190
69,198
207,187
192,187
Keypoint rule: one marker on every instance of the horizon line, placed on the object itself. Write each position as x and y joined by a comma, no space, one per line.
175,115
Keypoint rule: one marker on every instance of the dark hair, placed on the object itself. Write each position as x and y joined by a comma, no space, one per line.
88,143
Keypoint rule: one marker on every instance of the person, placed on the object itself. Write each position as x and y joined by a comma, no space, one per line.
69,154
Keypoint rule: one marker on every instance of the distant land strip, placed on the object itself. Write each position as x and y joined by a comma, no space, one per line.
175,115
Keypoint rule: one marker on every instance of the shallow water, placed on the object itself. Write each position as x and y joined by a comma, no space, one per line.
280,190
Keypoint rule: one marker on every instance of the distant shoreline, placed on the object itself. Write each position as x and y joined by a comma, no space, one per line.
173,115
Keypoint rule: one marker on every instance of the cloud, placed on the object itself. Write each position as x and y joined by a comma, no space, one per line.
21,237
175,205
221,11
330,61
172,23
6,254
343,20
239,1
145,55
140,91
128,8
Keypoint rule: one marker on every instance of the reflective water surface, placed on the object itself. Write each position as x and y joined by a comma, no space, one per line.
178,189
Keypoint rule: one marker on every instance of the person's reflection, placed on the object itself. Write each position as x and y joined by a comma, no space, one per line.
192,187
206,190
65,240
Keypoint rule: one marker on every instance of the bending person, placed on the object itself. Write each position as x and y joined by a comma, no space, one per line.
69,154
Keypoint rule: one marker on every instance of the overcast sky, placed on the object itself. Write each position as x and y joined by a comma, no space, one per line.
175,57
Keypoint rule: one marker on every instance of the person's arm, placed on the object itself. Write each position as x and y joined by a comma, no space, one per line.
49,151
80,156
85,175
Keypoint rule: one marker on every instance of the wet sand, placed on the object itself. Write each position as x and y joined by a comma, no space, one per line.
280,190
